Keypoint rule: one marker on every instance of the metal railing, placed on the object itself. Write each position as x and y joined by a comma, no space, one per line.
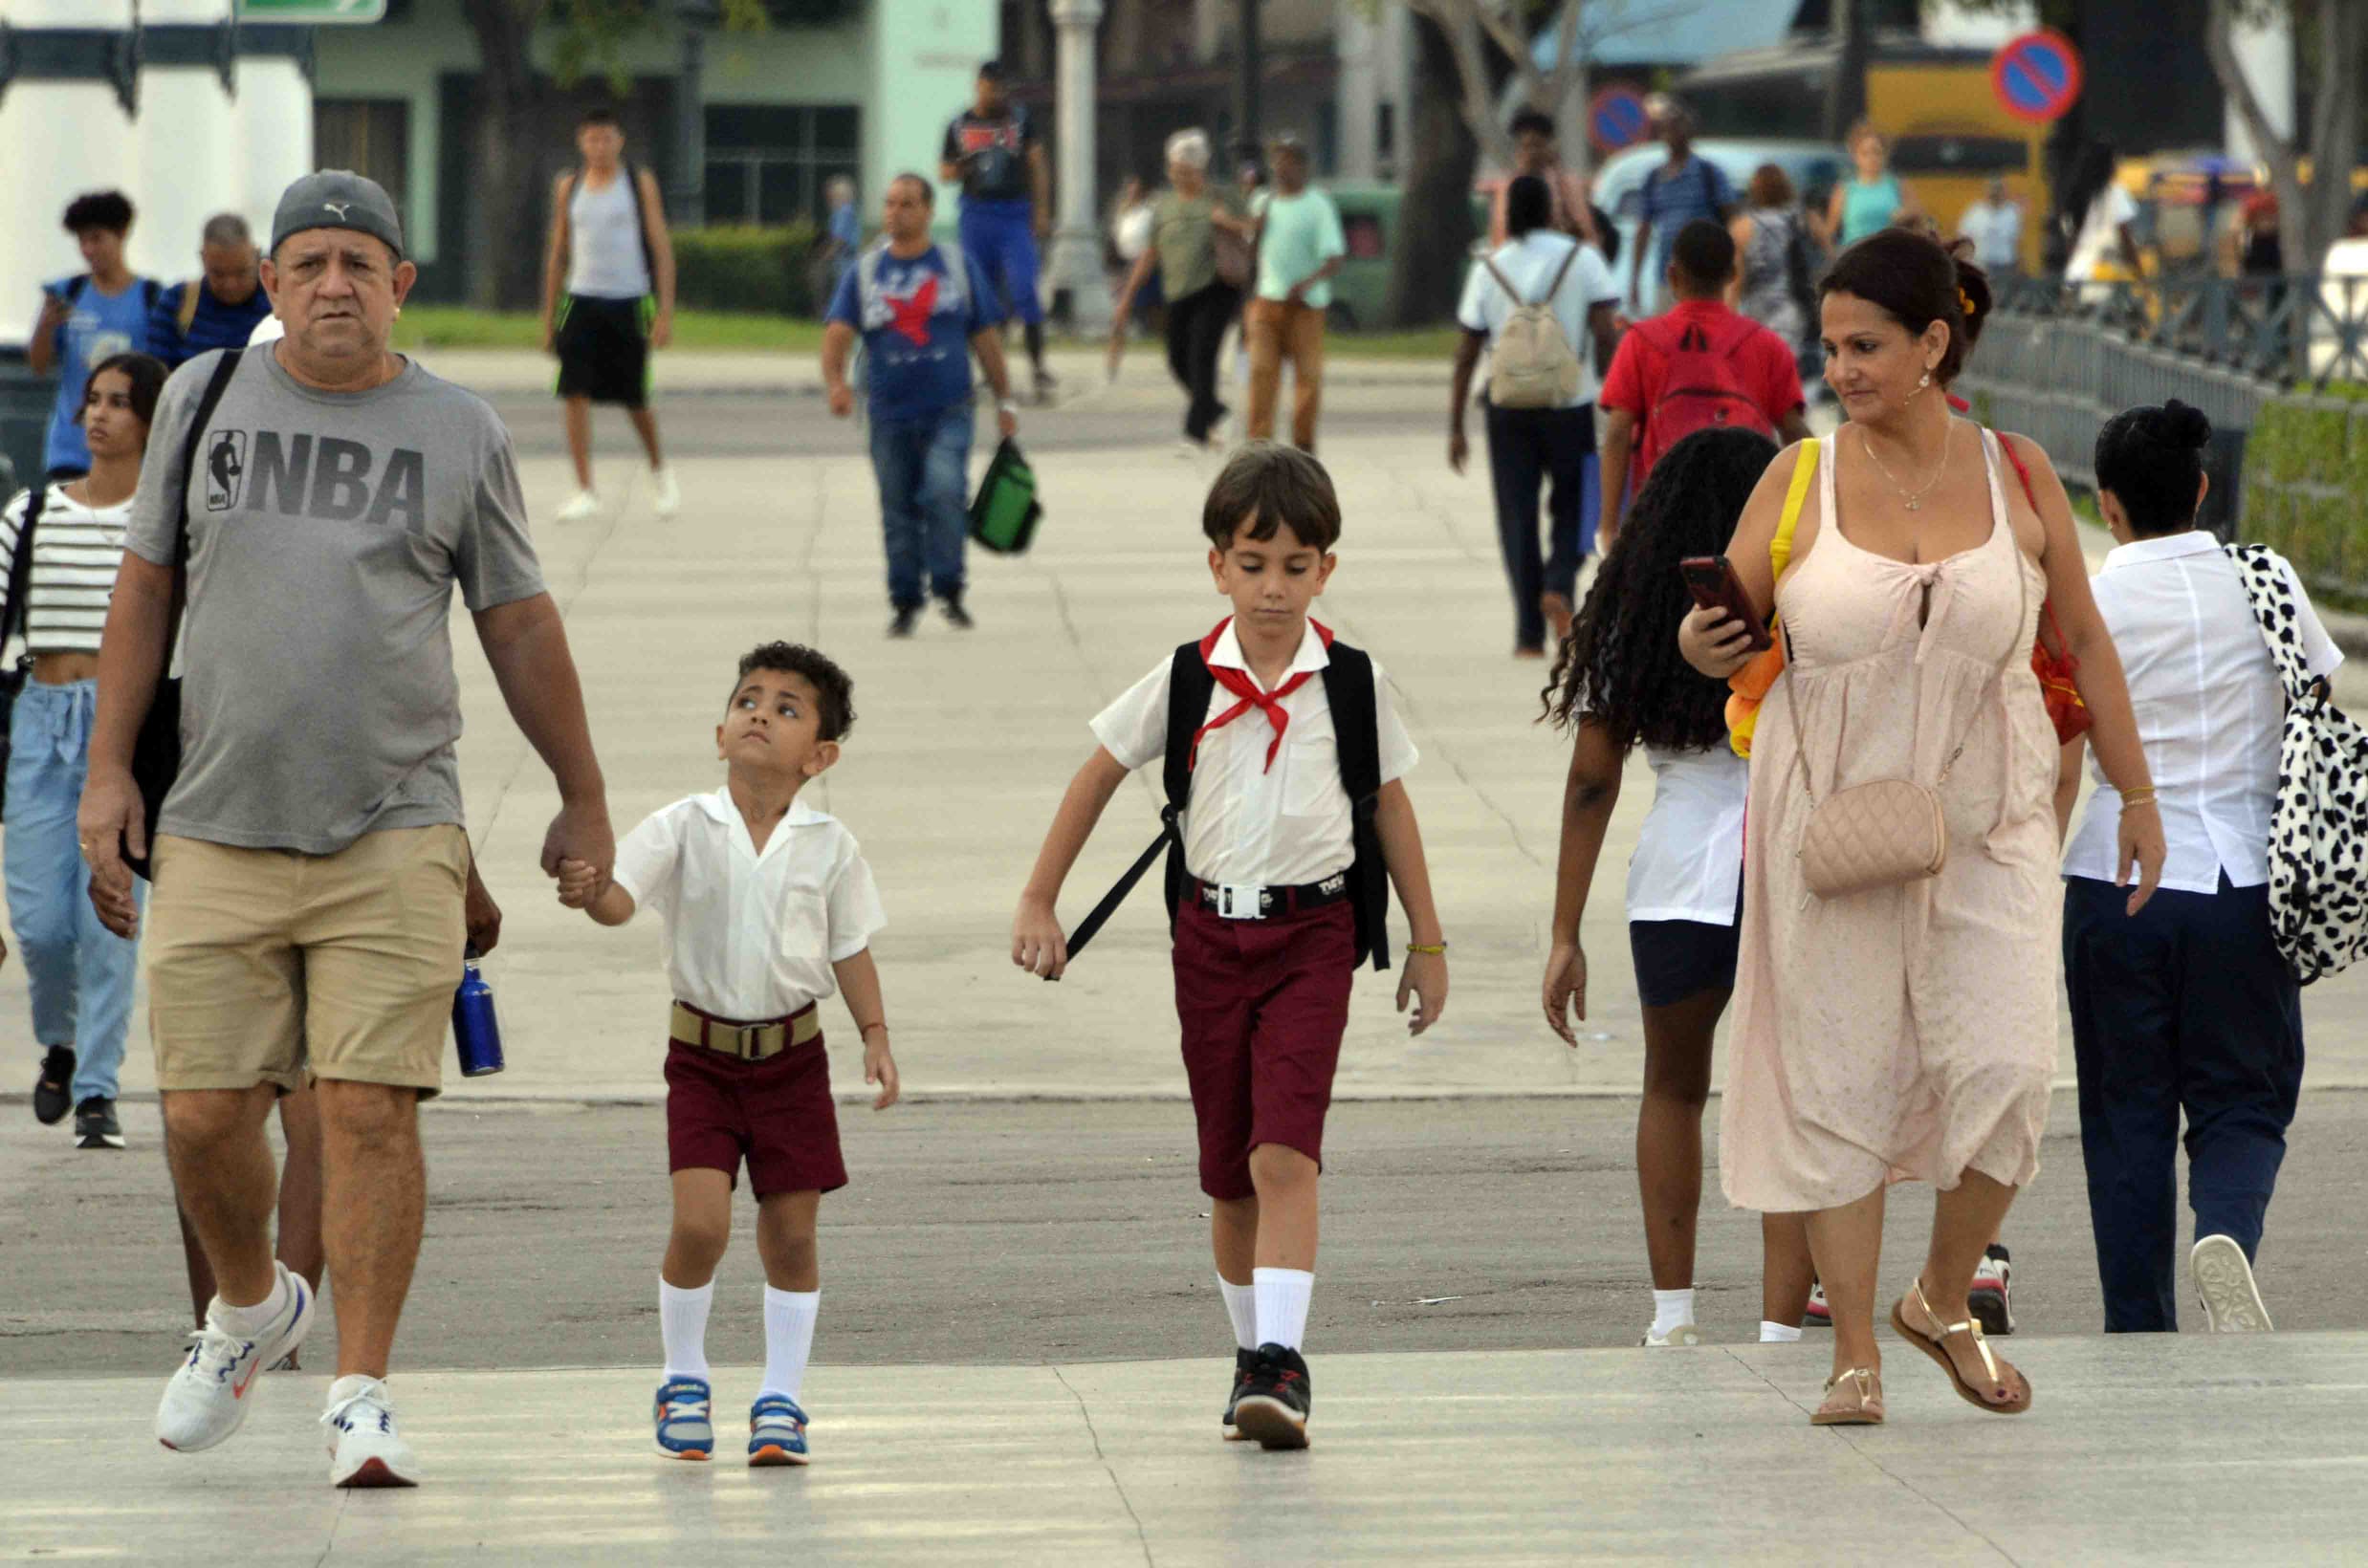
2302,331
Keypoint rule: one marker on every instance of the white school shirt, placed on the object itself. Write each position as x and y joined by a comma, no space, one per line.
2210,711
1530,264
1245,824
1688,859
751,936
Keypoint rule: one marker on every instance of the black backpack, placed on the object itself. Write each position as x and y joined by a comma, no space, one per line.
19,606
1349,687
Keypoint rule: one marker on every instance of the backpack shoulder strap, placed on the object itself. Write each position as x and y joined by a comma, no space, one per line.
2270,597
641,219
17,606
1356,731
958,274
149,290
1560,273
1190,686
74,286
207,401
1502,282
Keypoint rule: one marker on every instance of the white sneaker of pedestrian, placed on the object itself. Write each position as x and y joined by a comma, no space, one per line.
364,1449
665,493
2224,1281
209,1398
582,508
1683,1335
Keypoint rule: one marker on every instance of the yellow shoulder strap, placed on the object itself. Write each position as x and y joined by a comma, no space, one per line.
188,303
1780,548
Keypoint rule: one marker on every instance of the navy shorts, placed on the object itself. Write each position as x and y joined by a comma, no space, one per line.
1000,237
1677,959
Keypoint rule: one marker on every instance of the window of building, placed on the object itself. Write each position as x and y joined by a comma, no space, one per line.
369,136
769,163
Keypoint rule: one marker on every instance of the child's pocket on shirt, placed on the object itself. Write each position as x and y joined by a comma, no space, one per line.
806,924
1312,777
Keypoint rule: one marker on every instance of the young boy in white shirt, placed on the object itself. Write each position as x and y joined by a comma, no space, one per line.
768,908
1282,755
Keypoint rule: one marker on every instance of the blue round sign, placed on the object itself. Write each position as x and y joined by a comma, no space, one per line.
2037,75
1617,118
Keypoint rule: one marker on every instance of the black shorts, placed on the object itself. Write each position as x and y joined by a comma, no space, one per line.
604,348
1677,959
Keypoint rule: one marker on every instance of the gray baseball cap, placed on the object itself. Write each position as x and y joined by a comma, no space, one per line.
338,199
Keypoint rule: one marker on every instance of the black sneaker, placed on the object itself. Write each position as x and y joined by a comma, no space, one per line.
954,612
52,1091
95,1126
1991,1299
1245,1366
1272,1410
908,617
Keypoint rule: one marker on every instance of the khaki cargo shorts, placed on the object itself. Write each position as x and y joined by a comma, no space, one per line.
265,965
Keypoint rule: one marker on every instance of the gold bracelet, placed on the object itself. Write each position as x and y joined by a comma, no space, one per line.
1435,949
2139,797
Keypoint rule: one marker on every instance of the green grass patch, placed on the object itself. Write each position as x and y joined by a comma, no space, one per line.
458,326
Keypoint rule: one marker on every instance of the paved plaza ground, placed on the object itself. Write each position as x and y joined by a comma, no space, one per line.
1021,1238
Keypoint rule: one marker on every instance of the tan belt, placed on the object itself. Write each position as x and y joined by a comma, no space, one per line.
750,1042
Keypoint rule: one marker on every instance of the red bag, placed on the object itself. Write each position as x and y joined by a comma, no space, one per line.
2052,658
1701,390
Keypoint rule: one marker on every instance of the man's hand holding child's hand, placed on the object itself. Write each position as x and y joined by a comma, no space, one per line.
580,882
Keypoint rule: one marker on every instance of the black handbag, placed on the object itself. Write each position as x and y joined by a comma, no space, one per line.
17,608
156,754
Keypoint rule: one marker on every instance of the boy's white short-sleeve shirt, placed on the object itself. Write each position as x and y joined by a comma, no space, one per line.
1280,827
751,936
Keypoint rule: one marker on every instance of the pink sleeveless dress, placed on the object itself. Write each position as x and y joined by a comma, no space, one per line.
1908,1032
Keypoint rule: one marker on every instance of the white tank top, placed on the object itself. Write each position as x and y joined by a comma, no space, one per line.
604,241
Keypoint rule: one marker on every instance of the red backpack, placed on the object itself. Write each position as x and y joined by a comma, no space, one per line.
1700,389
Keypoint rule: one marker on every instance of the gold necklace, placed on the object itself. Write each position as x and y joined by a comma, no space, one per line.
1915,500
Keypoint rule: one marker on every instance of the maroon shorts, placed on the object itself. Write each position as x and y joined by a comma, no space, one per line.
1262,1003
776,1114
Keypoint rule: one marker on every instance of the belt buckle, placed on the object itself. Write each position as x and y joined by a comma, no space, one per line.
1240,901
744,1038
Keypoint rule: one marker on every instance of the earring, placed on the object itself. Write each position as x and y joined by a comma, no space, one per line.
1920,386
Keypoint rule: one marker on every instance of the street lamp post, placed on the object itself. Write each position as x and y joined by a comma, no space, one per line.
1076,263
695,17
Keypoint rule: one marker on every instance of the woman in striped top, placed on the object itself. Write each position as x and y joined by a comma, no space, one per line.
79,972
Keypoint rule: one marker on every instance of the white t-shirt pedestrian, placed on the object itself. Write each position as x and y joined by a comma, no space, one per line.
1530,264
1996,229
2100,234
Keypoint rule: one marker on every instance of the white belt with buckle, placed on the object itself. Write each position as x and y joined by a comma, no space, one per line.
1240,901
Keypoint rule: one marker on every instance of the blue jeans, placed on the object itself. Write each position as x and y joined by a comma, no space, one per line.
79,972
923,467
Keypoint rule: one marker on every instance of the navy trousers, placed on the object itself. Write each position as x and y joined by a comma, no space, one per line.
1528,447
2186,1008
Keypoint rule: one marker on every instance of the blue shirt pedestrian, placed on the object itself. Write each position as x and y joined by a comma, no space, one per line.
101,326
916,329
1676,195
214,325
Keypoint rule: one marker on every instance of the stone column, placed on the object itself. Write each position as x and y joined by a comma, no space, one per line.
1075,265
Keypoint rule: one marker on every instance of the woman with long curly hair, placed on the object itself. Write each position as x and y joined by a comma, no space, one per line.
1621,684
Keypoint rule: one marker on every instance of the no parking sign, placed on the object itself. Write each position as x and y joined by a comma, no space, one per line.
1617,118
2037,75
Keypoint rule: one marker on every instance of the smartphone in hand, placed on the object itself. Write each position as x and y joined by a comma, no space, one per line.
1712,582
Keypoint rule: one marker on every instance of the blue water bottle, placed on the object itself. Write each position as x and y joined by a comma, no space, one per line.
476,1028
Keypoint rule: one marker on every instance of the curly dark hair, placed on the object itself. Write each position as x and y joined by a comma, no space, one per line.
99,209
831,684
1620,667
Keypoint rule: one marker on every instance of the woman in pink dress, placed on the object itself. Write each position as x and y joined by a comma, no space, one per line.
1909,1031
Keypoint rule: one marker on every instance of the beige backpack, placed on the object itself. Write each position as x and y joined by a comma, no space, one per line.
1533,365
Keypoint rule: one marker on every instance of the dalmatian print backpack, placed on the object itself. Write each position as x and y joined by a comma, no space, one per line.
2318,837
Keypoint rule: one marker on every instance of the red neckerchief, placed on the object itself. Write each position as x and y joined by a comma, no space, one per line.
1242,685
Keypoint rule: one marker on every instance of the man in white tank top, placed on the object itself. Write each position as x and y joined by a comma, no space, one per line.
610,249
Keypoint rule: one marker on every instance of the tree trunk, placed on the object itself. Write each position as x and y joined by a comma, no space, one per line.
2310,218
504,215
1434,213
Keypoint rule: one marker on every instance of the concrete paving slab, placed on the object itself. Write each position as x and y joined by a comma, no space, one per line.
2192,1450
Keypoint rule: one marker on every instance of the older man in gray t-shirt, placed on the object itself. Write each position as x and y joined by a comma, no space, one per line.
310,862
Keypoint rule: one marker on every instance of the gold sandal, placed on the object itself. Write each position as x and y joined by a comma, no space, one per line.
1861,1404
1931,1345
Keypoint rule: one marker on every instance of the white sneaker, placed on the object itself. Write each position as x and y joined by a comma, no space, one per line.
364,1449
209,1398
1683,1335
2224,1281
666,494
586,507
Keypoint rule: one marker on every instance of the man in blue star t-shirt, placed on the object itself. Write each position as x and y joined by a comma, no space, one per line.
922,309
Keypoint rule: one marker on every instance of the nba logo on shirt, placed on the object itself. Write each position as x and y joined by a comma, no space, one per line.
225,469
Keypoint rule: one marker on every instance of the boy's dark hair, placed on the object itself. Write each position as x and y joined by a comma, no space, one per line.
99,209
1266,487
1528,206
596,115
1704,252
1532,119
2152,459
830,682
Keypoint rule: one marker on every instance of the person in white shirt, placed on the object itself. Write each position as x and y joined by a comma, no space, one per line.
1527,445
1995,225
768,908
1620,684
2187,1005
1282,764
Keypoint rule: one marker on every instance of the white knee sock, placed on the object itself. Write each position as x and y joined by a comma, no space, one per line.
1671,1309
1283,1296
1242,1306
682,1319
1779,1333
789,1339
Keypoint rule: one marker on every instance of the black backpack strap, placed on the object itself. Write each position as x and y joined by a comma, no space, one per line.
641,221
207,401
74,286
1356,732
19,606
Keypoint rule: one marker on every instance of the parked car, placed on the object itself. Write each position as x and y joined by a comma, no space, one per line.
1368,220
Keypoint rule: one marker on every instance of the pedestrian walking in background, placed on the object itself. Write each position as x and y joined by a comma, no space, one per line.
2097,213
1558,296
2187,1007
1185,220
1698,366
1774,282
310,870
1536,150
79,973
1686,189
612,254
995,151
222,306
921,310
1300,249
1620,684
1131,237
1873,198
842,236
93,316
1895,1004
1995,225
